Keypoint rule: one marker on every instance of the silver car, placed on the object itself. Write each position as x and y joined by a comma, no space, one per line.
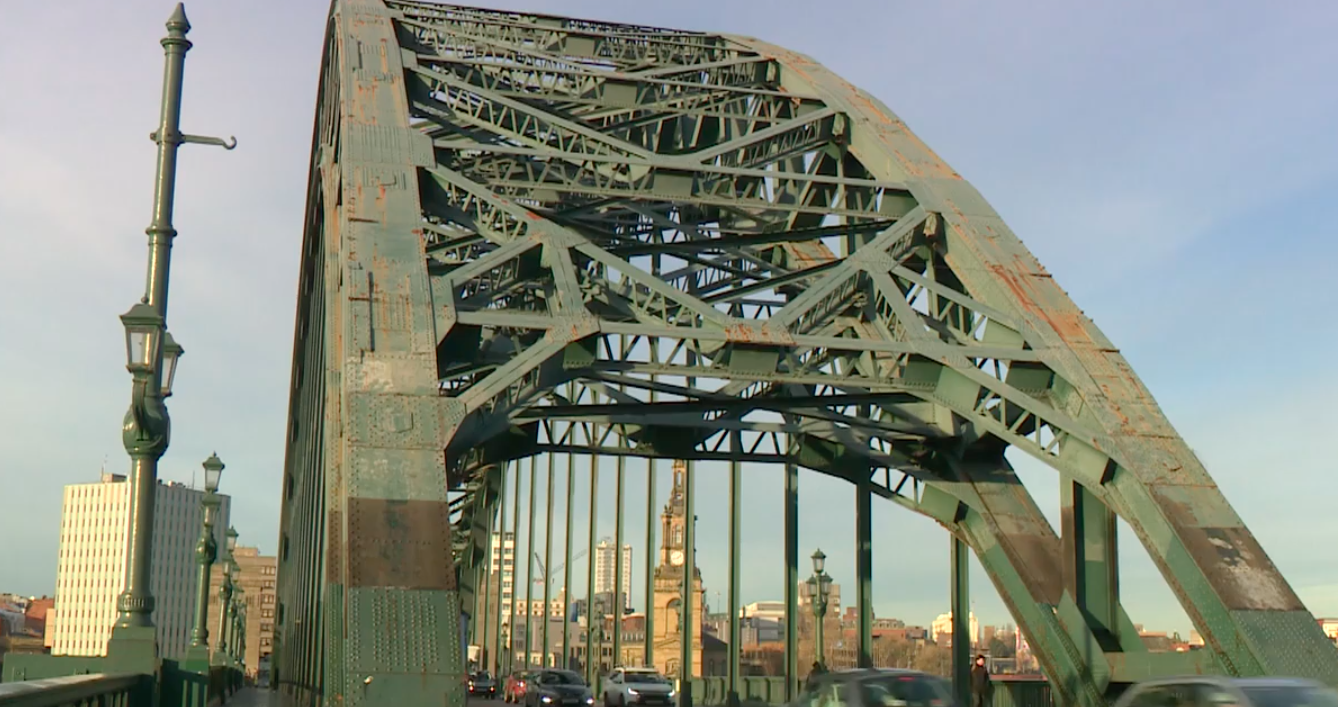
1215,691
638,686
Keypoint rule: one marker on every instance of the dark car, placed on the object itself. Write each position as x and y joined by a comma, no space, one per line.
1214,691
481,684
877,688
557,688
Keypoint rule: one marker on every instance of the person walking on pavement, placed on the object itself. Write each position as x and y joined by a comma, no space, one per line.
980,683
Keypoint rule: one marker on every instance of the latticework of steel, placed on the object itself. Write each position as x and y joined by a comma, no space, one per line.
536,235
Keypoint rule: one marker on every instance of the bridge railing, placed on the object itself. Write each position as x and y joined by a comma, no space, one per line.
57,681
73,691
1009,691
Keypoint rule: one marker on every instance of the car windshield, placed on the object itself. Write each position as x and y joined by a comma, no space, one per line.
905,691
560,677
644,678
1290,696
482,676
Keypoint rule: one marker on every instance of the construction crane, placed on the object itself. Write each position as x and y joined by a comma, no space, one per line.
544,575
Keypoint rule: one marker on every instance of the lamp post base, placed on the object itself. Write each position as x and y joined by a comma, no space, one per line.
133,649
198,659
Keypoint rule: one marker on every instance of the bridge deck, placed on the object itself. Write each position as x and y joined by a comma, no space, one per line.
264,697
259,697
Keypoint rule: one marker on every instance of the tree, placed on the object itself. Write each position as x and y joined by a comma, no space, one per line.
891,652
1001,649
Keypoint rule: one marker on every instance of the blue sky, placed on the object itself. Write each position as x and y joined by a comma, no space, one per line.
1173,165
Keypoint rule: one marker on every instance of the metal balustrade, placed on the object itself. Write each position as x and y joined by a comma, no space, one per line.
73,691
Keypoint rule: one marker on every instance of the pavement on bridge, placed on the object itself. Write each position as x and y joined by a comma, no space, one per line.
263,697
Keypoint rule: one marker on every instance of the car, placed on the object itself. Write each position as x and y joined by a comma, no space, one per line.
513,690
637,686
481,684
1215,691
557,688
877,687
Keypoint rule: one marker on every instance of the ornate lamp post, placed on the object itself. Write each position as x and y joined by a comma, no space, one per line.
225,597
506,646
236,626
819,586
241,635
151,359
206,551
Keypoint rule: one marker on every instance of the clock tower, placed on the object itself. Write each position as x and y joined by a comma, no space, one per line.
668,599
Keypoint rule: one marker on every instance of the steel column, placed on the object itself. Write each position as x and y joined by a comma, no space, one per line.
500,554
566,564
529,563
618,568
650,563
960,592
593,623
548,560
1091,561
735,556
689,594
864,568
515,575
480,616
791,582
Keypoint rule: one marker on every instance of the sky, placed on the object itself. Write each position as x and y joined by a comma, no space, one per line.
1173,165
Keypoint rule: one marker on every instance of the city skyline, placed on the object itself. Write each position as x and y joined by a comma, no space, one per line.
1090,152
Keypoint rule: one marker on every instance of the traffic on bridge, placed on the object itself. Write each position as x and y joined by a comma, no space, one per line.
557,272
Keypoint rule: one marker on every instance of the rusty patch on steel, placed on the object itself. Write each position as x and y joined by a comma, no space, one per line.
334,544
1067,325
1235,565
749,333
402,544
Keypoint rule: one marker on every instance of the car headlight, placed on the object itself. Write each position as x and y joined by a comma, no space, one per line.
545,699
672,693
630,691
590,700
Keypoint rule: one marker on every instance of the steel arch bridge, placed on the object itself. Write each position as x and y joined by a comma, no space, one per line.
531,235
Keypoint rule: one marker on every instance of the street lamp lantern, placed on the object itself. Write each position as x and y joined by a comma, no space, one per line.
172,352
819,561
213,471
232,541
142,326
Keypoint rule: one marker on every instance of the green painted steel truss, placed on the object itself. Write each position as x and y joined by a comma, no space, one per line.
532,234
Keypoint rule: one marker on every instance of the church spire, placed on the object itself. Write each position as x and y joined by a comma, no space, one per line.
676,493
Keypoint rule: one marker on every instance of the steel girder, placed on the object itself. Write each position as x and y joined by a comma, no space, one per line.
534,234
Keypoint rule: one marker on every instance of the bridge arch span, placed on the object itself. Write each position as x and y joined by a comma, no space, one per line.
531,234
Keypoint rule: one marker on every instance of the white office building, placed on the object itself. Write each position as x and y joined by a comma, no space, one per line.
90,573
503,567
605,571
